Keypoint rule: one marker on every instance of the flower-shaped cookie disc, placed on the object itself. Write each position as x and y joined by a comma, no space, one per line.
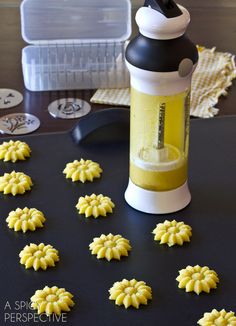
218,318
14,151
52,300
15,183
197,279
130,293
172,233
82,170
38,256
95,205
110,246
25,219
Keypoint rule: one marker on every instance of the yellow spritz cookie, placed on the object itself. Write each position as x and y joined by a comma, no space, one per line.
82,170
110,247
218,318
95,205
130,293
38,256
52,300
15,183
197,279
14,151
25,219
172,233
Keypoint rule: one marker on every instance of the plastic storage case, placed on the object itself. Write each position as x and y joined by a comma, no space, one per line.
76,44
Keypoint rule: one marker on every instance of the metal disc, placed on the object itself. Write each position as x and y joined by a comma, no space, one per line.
18,124
9,98
69,108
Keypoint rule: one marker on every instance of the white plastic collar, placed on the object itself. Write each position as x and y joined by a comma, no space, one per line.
155,25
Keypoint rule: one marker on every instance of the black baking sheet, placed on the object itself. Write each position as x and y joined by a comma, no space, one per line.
212,215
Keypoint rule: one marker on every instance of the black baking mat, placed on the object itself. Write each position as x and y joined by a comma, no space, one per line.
212,215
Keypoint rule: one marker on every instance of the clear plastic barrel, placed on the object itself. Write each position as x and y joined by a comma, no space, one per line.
159,140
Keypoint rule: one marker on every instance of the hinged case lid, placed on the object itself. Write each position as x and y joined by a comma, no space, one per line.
75,21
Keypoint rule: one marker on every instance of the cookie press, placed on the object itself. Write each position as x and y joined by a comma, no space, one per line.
161,61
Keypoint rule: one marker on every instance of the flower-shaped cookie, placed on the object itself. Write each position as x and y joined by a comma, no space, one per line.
172,232
218,318
38,256
110,246
95,205
14,151
197,279
25,219
52,300
15,183
82,170
130,293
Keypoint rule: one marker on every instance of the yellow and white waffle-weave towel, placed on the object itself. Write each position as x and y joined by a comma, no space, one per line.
214,74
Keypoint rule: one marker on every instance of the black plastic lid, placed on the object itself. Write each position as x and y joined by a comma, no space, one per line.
160,55
167,7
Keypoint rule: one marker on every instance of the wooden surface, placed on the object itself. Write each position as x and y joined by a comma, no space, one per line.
213,24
